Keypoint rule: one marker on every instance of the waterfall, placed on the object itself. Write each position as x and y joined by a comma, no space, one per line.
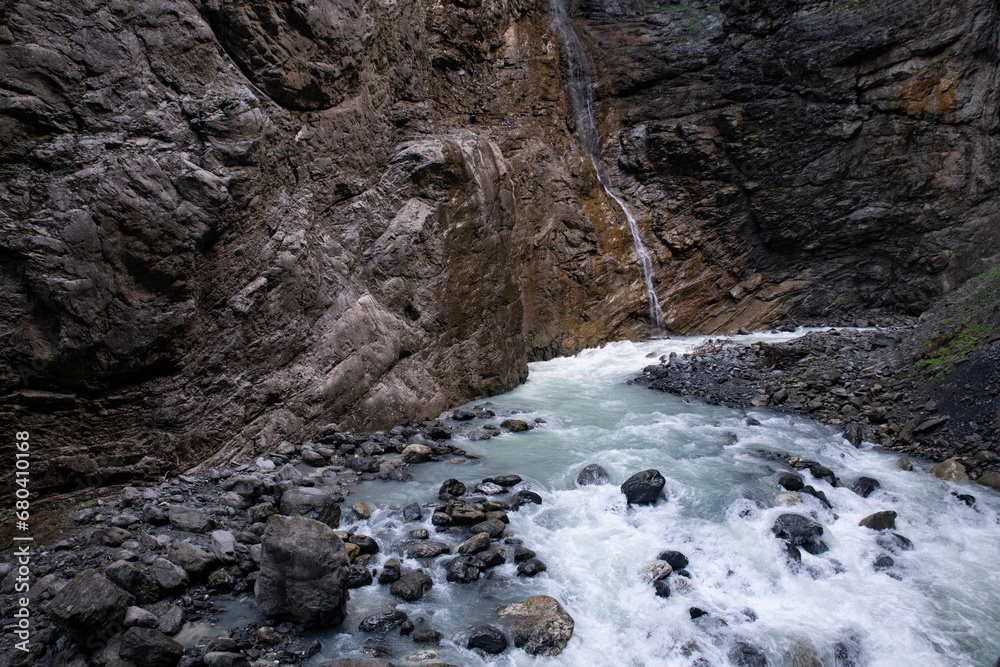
579,84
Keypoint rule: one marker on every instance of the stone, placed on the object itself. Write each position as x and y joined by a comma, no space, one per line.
366,544
675,559
531,567
473,545
865,486
539,625
488,638
145,647
592,475
451,487
359,576
417,454
135,580
89,604
303,572
171,621
904,463
383,621
745,654
356,662
492,527
643,488
464,515
391,572
137,616
131,496
884,520
411,587
524,497
893,542
493,557
427,636
522,553
154,516
426,549
412,512
514,425
991,480
951,470
247,486
363,510
800,531
190,520
463,569
489,489
170,577
790,481
311,503
656,570
505,480
195,560
224,546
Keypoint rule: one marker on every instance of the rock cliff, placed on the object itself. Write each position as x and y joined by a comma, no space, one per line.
226,224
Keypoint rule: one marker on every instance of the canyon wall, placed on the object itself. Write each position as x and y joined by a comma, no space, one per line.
227,224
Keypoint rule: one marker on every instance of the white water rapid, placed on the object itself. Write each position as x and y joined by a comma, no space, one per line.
938,605
578,81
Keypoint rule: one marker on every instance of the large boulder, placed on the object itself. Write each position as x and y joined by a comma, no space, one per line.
196,561
311,503
950,470
488,638
644,488
417,454
190,519
89,604
800,531
539,625
133,579
592,475
883,520
303,572
145,647
412,586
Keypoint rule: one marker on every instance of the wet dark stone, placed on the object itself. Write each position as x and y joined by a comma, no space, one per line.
427,636
865,486
493,557
790,481
675,559
412,512
524,497
883,520
464,569
506,480
695,612
412,586
406,628
426,549
644,488
489,638
145,647
893,542
359,576
522,554
883,562
662,588
463,415
450,488
819,495
531,567
800,531
745,654
592,475
367,544
390,572
383,621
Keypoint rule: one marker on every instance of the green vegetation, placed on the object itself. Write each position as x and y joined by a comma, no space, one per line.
753,135
952,349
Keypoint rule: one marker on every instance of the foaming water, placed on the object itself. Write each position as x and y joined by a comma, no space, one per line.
939,604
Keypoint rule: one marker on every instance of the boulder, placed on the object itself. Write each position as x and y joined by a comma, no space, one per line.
171,621
89,604
417,454
303,572
492,527
427,636
247,486
383,621
865,486
366,544
800,531
592,475
133,579
390,572
643,488
745,654
359,576
426,549
362,510
224,546
489,489
515,425
195,560
790,481
168,576
675,559
531,567
463,514
356,662
311,503
879,520
493,557
524,497
505,480
412,512
951,470
412,586
464,569
539,625
137,616
893,542
145,647
488,638
190,520
658,569
451,487
475,544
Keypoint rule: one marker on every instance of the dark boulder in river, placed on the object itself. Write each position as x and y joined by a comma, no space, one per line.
644,488
592,475
539,625
303,572
800,531
488,638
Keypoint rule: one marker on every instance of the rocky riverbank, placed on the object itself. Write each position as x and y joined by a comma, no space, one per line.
928,390
141,573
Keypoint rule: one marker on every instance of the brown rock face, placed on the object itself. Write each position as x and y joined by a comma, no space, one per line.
227,224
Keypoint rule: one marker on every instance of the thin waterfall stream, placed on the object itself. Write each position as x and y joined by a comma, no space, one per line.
578,80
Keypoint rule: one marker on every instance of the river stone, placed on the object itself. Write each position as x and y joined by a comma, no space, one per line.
362,510
137,616
592,475
489,638
489,489
89,604
145,647
991,480
745,654
359,576
168,576
441,520
190,520
493,557
788,499
133,579
865,486
464,569
412,586
505,480
893,542
790,481
367,544
383,621
515,425
492,527
311,503
800,531
462,514
675,559
412,512
951,470
224,546
451,487
247,486
524,497
643,488
417,454
475,544
154,515
303,572
522,553
656,570
426,549
390,572
539,625
531,567
427,636
903,463
879,520
171,621
463,415
195,560
356,662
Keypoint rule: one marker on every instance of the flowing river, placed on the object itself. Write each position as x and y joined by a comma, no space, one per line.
939,604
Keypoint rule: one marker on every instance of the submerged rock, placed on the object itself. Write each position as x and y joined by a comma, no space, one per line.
893,542
790,481
644,488
383,621
800,531
745,654
303,572
489,638
592,475
539,625
412,587
865,486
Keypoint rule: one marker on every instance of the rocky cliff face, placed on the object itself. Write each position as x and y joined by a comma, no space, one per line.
225,224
